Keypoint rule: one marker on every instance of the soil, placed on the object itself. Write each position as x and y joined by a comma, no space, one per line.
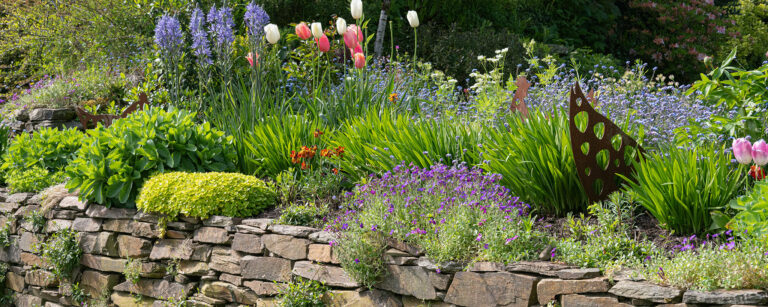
644,227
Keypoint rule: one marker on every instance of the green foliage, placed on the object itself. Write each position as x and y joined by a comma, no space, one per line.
201,195
78,295
5,232
114,162
272,139
682,186
751,23
731,88
34,179
360,254
132,270
302,293
47,148
740,265
378,143
36,220
747,215
46,36
606,243
61,252
536,163
302,214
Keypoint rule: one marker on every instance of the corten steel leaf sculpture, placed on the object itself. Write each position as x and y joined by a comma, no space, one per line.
107,119
518,103
601,151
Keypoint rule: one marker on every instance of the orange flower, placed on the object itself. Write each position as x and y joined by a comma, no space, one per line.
303,166
340,151
393,97
335,171
318,133
294,157
326,153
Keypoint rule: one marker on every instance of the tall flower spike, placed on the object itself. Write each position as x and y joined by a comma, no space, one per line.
168,35
220,26
200,46
255,19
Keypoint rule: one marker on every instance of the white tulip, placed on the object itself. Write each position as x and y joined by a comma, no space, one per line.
356,8
317,30
341,26
272,33
413,19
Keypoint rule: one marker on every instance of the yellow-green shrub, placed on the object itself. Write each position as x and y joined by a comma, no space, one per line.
201,195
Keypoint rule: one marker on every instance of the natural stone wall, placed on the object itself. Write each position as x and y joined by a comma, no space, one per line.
229,262
29,120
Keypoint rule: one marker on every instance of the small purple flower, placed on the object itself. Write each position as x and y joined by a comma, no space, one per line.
479,237
357,260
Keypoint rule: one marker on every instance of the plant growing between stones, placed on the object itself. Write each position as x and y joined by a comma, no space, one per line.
132,270
61,252
36,221
302,292
361,255
78,295
5,232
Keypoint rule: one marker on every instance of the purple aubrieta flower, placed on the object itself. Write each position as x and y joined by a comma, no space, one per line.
199,38
255,19
220,27
168,35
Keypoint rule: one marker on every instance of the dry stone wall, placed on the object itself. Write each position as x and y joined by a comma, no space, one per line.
224,261
29,120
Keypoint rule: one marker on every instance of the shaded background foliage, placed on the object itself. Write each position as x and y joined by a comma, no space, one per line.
38,37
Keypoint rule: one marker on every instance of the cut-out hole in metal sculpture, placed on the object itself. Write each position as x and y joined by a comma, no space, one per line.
581,120
585,148
518,100
606,143
106,119
599,130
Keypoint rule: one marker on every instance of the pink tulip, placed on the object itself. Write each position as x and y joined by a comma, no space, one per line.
323,44
760,153
358,49
250,58
303,31
350,39
742,150
359,60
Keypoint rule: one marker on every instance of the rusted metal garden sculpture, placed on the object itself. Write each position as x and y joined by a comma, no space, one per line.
107,119
518,100
601,150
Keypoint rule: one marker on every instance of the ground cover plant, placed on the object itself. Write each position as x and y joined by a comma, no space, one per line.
453,213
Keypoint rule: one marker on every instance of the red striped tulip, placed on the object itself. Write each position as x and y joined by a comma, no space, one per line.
251,59
302,31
